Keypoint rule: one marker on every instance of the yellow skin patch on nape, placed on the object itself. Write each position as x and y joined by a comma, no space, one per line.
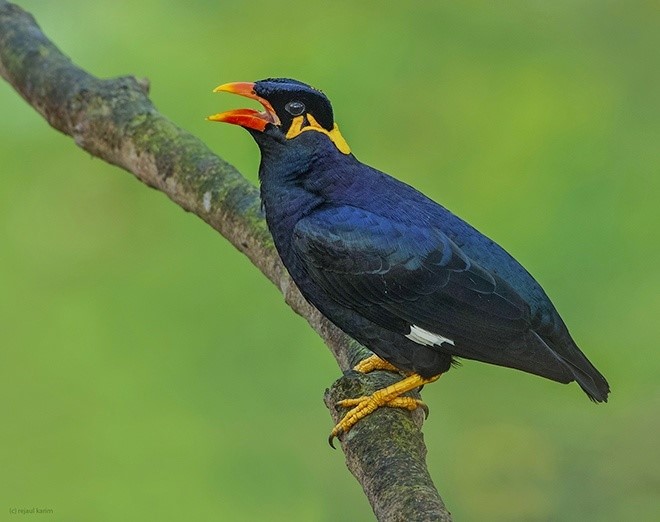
336,137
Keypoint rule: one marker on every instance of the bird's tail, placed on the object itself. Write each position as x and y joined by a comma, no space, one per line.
574,361
587,376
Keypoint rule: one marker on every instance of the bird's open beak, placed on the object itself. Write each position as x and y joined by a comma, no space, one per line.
248,118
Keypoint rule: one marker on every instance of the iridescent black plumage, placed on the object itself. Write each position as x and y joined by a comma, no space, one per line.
395,270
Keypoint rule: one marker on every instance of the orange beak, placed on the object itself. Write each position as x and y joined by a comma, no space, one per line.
248,118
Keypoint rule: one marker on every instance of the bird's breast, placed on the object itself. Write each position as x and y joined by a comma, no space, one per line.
284,208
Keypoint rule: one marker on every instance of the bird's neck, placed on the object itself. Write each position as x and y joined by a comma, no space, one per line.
283,193
284,199
305,163
295,180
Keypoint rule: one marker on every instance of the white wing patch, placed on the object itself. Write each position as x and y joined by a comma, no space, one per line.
426,338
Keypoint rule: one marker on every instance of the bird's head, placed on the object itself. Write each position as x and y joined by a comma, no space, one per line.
290,109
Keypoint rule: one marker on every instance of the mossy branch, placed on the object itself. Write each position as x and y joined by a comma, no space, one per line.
113,119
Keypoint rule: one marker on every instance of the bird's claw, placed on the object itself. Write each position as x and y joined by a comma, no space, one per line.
363,406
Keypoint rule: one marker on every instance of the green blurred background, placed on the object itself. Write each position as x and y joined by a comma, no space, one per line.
145,364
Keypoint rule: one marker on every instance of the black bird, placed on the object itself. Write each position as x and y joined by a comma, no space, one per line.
393,269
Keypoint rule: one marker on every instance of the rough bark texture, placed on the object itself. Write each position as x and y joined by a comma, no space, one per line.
114,119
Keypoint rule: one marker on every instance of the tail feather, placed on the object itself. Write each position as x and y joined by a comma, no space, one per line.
590,380
584,373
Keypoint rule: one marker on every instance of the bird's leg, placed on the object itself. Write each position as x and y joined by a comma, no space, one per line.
373,363
388,396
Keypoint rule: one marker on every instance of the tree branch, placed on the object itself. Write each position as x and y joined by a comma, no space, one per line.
114,120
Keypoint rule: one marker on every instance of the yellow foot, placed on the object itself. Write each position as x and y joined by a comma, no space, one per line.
389,396
373,363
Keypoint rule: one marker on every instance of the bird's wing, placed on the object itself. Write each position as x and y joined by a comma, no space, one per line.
403,276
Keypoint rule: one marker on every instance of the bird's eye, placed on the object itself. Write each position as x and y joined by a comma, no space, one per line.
295,108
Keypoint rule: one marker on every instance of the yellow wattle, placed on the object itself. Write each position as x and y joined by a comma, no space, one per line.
334,135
